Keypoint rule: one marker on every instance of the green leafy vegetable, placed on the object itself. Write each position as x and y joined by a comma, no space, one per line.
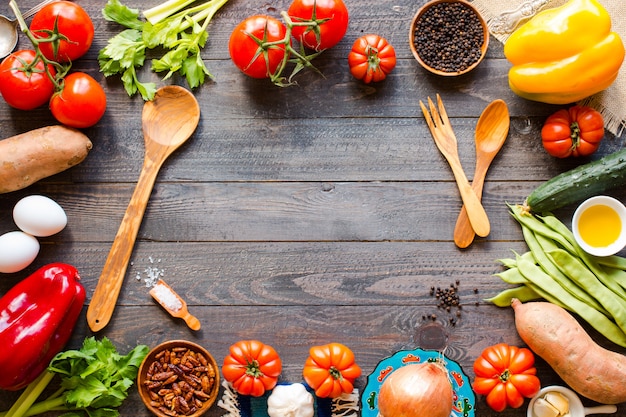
180,33
94,382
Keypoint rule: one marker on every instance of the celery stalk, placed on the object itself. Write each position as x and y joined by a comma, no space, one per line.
30,395
157,13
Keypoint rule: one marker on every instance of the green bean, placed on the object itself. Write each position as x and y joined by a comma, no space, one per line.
512,276
616,281
557,295
539,227
559,227
507,262
539,245
614,261
540,281
522,293
575,269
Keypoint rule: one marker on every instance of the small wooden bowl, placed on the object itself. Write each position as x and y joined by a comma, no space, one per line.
142,376
418,16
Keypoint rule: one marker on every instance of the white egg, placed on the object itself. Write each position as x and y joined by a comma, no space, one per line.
17,251
39,216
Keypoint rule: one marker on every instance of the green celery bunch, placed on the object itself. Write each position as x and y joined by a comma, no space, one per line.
178,30
94,382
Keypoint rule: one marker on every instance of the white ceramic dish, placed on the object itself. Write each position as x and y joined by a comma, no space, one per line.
612,248
576,408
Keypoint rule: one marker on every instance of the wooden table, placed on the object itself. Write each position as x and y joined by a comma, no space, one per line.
304,215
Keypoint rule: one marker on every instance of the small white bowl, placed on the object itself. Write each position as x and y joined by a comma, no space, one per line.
612,248
576,408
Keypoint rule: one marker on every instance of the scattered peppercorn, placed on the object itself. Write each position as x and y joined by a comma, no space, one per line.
449,36
448,300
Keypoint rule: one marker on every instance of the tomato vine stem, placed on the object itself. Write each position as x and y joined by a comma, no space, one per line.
52,36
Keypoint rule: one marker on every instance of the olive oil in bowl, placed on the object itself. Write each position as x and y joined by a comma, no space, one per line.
599,226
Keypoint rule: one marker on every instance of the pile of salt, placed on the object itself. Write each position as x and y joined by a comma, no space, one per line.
166,297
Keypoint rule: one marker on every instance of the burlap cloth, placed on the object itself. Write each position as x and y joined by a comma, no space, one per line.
610,102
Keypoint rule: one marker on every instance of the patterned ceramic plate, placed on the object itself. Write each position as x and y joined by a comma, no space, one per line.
464,398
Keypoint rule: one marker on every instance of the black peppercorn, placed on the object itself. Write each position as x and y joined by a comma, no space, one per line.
449,36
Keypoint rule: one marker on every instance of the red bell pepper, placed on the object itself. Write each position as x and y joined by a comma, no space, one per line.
37,317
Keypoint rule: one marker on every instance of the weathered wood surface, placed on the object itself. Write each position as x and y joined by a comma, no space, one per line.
299,216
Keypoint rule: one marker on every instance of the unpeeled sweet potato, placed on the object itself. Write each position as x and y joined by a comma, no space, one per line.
556,336
40,153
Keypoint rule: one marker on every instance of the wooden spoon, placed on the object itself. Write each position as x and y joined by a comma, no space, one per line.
491,132
174,304
167,121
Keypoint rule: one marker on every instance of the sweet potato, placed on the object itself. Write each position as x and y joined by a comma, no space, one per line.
40,153
557,337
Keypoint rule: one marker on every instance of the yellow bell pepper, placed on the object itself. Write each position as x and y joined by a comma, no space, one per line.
564,54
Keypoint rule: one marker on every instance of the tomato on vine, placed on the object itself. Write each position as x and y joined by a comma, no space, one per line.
331,370
80,103
68,27
505,375
576,131
372,57
24,83
331,17
247,49
252,367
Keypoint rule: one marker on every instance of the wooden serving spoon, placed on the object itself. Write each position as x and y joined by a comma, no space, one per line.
165,295
491,132
167,121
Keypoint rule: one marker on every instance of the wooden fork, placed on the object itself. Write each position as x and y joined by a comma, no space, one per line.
444,137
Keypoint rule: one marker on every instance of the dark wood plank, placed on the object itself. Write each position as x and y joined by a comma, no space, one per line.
299,216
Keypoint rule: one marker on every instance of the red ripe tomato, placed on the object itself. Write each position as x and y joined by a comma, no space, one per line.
24,83
331,370
505,375
576,131
252,367
332,22
81,103
248,53
371,58
74,30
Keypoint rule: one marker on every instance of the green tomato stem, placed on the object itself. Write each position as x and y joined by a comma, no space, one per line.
60,69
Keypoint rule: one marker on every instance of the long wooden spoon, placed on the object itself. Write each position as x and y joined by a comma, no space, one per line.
491,132
167,121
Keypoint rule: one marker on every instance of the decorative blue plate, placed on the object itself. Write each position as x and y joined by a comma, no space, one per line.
464,398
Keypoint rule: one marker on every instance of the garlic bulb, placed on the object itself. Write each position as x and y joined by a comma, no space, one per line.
290,401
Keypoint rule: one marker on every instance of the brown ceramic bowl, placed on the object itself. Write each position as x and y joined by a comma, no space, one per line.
417,19
157,354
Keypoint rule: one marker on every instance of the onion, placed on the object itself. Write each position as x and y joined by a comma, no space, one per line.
416,390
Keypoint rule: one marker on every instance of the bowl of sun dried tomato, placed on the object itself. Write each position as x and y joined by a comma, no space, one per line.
448,37
178,378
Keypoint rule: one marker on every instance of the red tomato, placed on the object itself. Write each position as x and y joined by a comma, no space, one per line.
331,370
246,51
81,103
576,131
506,375
252,367
24,83
371,58
74,31
332,22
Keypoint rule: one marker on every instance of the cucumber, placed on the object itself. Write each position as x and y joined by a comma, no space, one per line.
580,183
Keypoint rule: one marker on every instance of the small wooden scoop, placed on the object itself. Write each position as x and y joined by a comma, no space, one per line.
173,303
167,121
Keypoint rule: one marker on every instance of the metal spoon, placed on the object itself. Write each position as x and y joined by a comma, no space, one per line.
9,31
491,132
168,121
